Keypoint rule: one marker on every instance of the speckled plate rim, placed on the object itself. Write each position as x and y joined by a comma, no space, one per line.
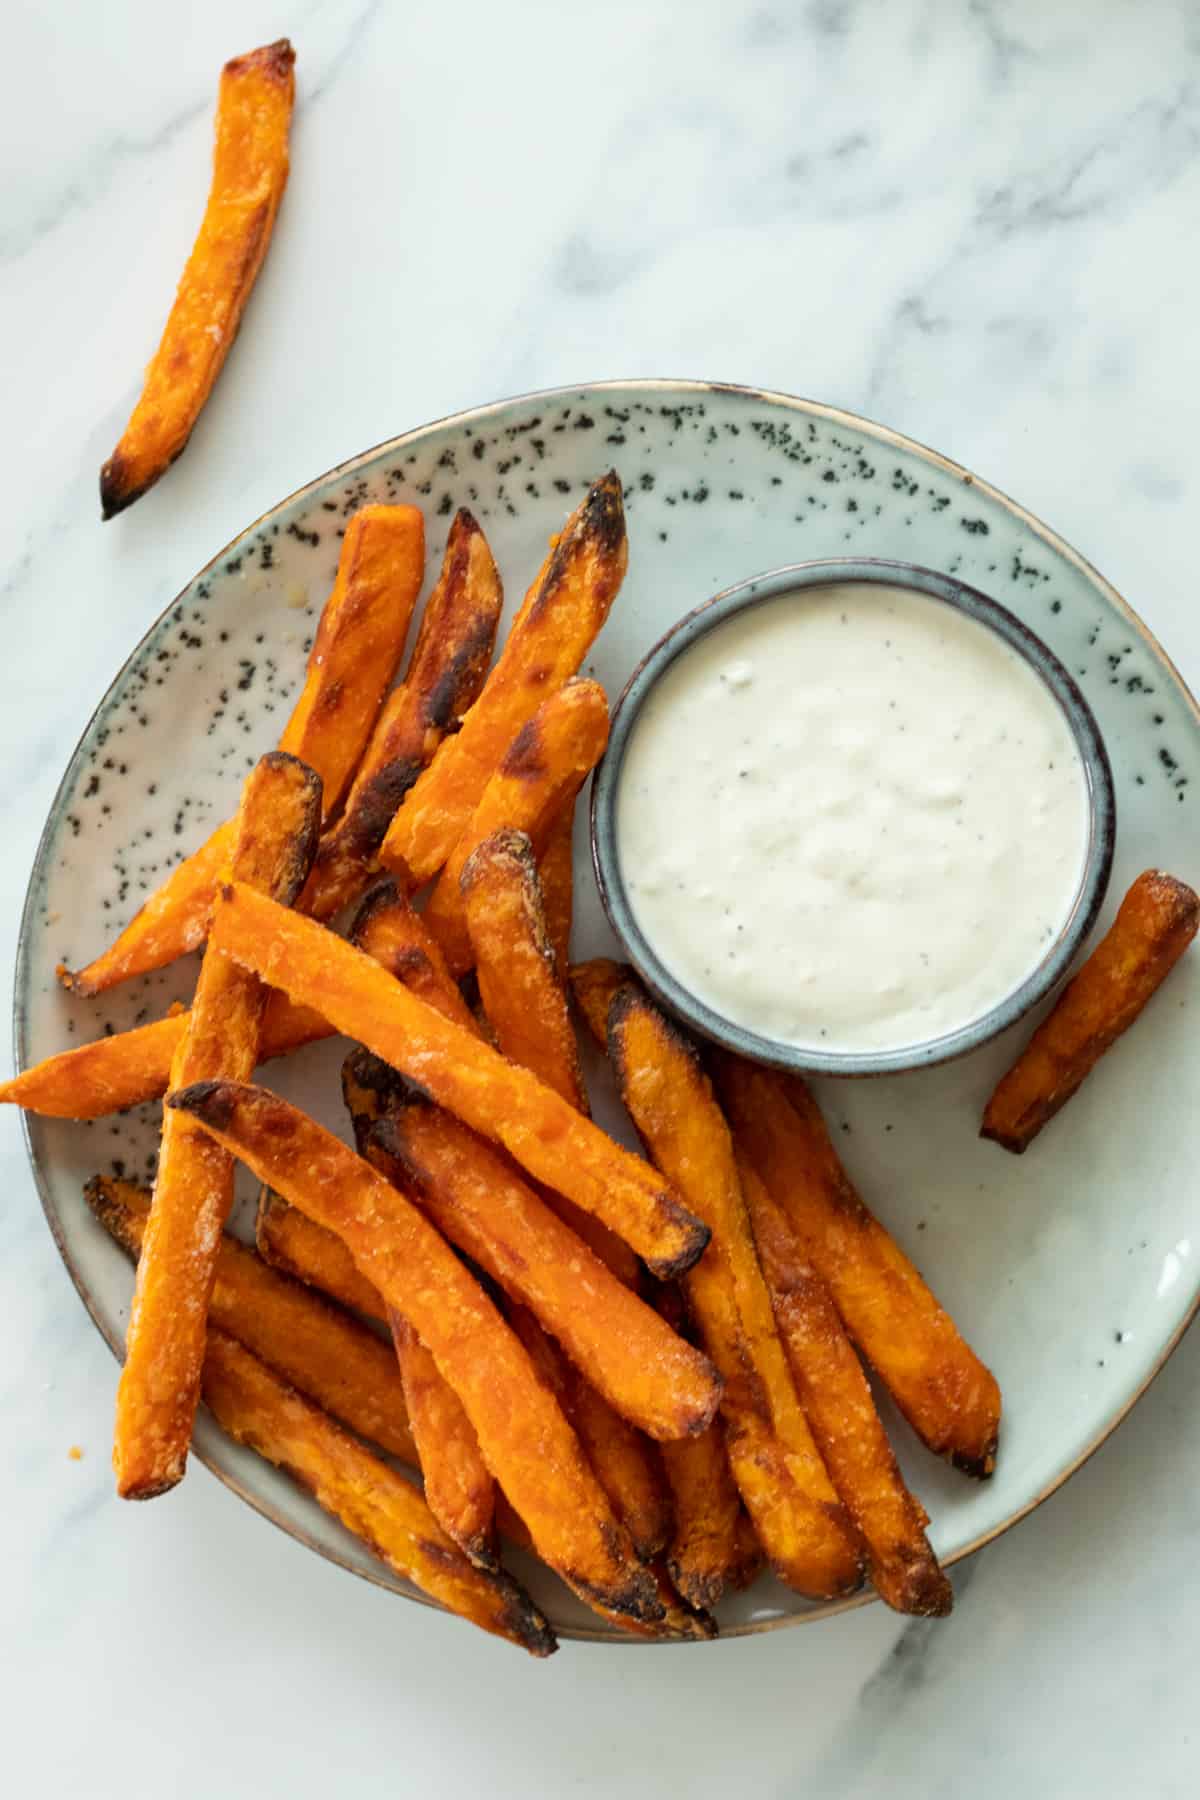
657,387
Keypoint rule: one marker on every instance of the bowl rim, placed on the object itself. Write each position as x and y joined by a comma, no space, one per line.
662,386
800,578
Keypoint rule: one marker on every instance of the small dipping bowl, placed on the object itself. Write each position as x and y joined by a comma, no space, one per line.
1059,953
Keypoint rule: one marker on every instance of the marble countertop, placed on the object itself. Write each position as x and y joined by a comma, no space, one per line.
966,220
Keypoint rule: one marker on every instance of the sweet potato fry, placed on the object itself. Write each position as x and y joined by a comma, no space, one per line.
557,873
553,632
459,1491
160,1383
837,1399
1155,923
374,1502
947,1395
594,987
132,1066
445,673
250,170
316,1347
704,1552
801,1524
289,1240
477,1200
525,1439
515,964
612,1446
545,1135
358,645
540,773
397,938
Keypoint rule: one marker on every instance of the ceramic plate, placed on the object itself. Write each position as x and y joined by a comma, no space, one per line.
1073,1270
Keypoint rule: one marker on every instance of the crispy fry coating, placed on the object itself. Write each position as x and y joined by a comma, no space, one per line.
837,1399
160,1383
445,673
557,873
801,1524
316,1347
545,1135
556,627
594,987
540,773
388,929
358,645
617,1452
704,1551
459,1491
525,1439
250,170
515,964
289,1240
258,1408
947,1395
477,1200
1155,923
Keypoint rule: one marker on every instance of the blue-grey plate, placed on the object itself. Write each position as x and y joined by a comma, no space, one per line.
1073,1270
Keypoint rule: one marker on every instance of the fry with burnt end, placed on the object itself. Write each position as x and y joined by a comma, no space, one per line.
809,1541
1155,923
704,1552
515,964
458,1485
947,1395
540,773
556,872
850,1436
358,645
258,1408
614,1448
317,1347
594,986
478,1201
445,673
556,627
397,938
543,1134
193,1190
459,1490
250,170
526,1441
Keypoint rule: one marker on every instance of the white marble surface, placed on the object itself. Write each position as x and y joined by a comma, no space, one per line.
973,221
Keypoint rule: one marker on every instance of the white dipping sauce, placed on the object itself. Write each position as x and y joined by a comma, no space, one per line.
851,818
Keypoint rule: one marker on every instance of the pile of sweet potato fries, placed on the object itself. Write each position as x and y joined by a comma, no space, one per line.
645,1370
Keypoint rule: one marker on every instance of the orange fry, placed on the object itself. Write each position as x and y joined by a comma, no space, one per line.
837,1399
555,629
388,929
193,1192
445,673
800,1522
459,1491
258,1408
358,645
594,986
557,873
1156,922
947,1395
540,773
250,170
545,1135
526,1441
318,1348
289,1240
477,1200
704,1552
515,963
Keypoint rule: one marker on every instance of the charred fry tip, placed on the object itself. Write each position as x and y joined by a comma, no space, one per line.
212,1102
115,495
980,1466
516,846
363,1069
384,894
103,1203
277,59
668,1268
924,1592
